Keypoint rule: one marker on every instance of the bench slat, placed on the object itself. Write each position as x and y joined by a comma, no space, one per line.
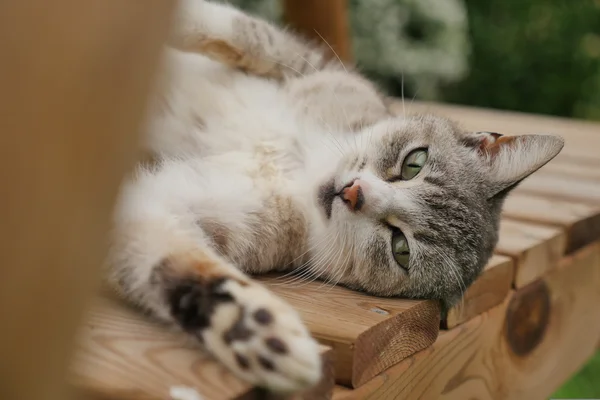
368,334
580,221
489,290
561,187
535,248
474,360
582,137
122,354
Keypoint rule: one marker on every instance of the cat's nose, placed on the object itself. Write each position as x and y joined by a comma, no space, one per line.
353,196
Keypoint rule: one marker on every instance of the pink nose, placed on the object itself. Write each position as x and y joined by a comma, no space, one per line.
353,196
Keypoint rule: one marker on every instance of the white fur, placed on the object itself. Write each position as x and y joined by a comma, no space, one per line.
248,154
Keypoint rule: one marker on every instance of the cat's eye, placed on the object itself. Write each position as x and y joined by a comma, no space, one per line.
400,249
413,163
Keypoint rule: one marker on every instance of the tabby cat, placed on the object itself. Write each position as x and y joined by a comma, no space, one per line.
270,154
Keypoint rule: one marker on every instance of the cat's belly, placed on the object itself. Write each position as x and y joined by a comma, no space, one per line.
270,228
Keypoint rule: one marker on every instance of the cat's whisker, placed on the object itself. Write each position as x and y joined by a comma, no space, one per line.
336,143
337,259
308,62
333,138
319,263
413,99
454,272
282,64
336,278
402,95
333,91
299,274
341,269
310,264
291,263
329,148
301,271
334,52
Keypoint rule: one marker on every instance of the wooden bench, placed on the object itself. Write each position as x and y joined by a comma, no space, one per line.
523,328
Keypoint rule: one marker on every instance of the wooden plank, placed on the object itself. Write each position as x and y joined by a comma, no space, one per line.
567,188
122,354
581,222
582,137
339,391
522,349
74,79
489,290
573,167
368,334
322,21
534,248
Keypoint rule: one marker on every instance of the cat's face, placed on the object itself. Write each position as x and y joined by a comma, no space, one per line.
414,204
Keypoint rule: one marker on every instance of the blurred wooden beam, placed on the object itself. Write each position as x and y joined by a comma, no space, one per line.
74,76
322,20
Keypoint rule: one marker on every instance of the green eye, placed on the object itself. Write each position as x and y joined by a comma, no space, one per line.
413,163
400,249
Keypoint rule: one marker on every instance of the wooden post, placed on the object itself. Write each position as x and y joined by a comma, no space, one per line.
74,79
321,20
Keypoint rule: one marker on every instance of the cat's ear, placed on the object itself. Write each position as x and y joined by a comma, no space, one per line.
510,159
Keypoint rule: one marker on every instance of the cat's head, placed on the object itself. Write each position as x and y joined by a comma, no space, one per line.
414,205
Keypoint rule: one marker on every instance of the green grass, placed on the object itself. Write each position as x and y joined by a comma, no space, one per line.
583,385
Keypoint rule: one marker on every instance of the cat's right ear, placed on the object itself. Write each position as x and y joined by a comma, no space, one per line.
507,160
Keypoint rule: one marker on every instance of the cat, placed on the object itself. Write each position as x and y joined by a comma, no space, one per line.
270,154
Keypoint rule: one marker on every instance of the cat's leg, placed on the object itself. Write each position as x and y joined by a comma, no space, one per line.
168,268
239,40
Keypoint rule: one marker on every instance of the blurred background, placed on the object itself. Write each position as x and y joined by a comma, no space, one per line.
535,56
539,56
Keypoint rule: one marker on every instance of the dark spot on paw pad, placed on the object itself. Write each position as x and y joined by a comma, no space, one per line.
263,316
242,361
239,330
266,363
193,300
276,345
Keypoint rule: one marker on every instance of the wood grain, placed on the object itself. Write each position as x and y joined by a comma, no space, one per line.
582,138
122,354
475,361
489,290
368,334
74,80
535,249
580,221
321,21
573,167
567,188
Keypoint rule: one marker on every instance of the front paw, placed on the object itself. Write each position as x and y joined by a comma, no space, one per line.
254,333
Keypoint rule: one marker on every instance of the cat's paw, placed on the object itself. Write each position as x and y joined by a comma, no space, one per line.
254,333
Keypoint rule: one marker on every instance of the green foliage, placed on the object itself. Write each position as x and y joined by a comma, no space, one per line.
540,56
584,385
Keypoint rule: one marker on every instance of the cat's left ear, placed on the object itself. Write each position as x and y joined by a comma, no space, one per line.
510,159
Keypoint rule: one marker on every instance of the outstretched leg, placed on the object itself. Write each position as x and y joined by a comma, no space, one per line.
164,262
232,37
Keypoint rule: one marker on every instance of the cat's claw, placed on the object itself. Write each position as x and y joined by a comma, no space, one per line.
255,334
